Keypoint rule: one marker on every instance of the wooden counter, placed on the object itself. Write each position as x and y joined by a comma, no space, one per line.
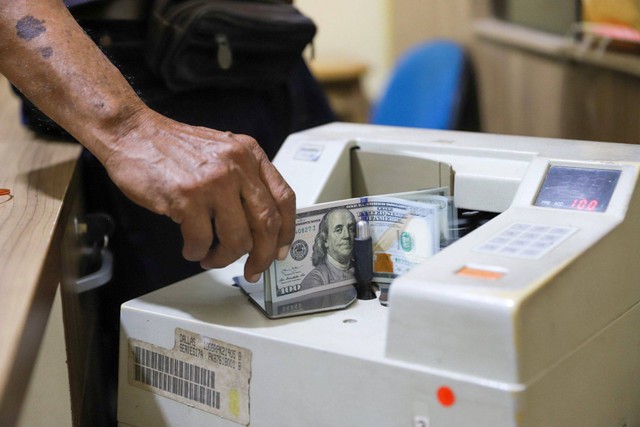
39,174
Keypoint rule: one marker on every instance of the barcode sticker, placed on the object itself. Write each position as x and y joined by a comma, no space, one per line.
198,371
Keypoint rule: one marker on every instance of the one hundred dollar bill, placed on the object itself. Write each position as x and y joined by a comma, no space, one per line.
446,208
405,231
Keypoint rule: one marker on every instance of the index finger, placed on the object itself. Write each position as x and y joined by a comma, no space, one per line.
285,200
265,223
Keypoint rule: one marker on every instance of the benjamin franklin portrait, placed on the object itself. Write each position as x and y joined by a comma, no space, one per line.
332,250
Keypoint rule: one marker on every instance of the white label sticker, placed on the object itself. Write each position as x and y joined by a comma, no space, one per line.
309,153
199,371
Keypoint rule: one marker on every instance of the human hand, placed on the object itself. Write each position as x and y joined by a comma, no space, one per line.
195,175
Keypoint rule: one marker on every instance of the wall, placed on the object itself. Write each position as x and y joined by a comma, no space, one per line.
353,30
414,21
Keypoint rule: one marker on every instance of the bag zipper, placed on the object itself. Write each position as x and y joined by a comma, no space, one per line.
225,56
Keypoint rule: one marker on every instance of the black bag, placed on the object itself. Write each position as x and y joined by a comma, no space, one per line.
230,43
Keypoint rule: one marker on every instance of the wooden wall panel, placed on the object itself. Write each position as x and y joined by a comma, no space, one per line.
601,105
520,93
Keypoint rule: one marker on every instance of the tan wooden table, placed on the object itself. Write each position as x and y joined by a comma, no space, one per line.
40,176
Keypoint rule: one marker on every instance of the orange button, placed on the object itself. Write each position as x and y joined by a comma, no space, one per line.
480,273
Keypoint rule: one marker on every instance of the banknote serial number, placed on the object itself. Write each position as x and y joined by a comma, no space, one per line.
306,229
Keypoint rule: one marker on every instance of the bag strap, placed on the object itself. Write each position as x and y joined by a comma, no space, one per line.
74,3
161,4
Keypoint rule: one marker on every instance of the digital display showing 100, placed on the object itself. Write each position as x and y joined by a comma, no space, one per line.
584,204
584,189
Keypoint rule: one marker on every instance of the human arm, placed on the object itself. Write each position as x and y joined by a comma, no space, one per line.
190,174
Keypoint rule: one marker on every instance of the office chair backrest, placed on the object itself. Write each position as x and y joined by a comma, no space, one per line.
431,86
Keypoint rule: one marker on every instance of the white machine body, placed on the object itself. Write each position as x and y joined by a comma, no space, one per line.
530,320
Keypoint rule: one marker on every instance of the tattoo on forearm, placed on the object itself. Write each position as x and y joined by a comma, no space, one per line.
28,28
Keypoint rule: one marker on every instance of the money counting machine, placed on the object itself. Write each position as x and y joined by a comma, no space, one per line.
532,319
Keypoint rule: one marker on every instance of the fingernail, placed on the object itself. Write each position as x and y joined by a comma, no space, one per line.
255,278
283,252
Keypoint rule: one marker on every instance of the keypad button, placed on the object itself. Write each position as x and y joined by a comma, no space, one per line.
540,228
530,235
530,253
520,227
499,240
509,233
509,250
488,247
560,231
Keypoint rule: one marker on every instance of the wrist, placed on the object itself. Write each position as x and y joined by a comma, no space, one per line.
115,124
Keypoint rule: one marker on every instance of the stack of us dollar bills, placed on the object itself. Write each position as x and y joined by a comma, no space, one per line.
405,229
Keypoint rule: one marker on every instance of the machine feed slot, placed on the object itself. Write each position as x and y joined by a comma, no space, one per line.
384,173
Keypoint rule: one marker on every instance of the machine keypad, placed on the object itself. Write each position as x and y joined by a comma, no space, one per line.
524,240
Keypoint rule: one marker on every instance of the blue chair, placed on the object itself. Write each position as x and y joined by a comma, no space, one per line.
431,86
